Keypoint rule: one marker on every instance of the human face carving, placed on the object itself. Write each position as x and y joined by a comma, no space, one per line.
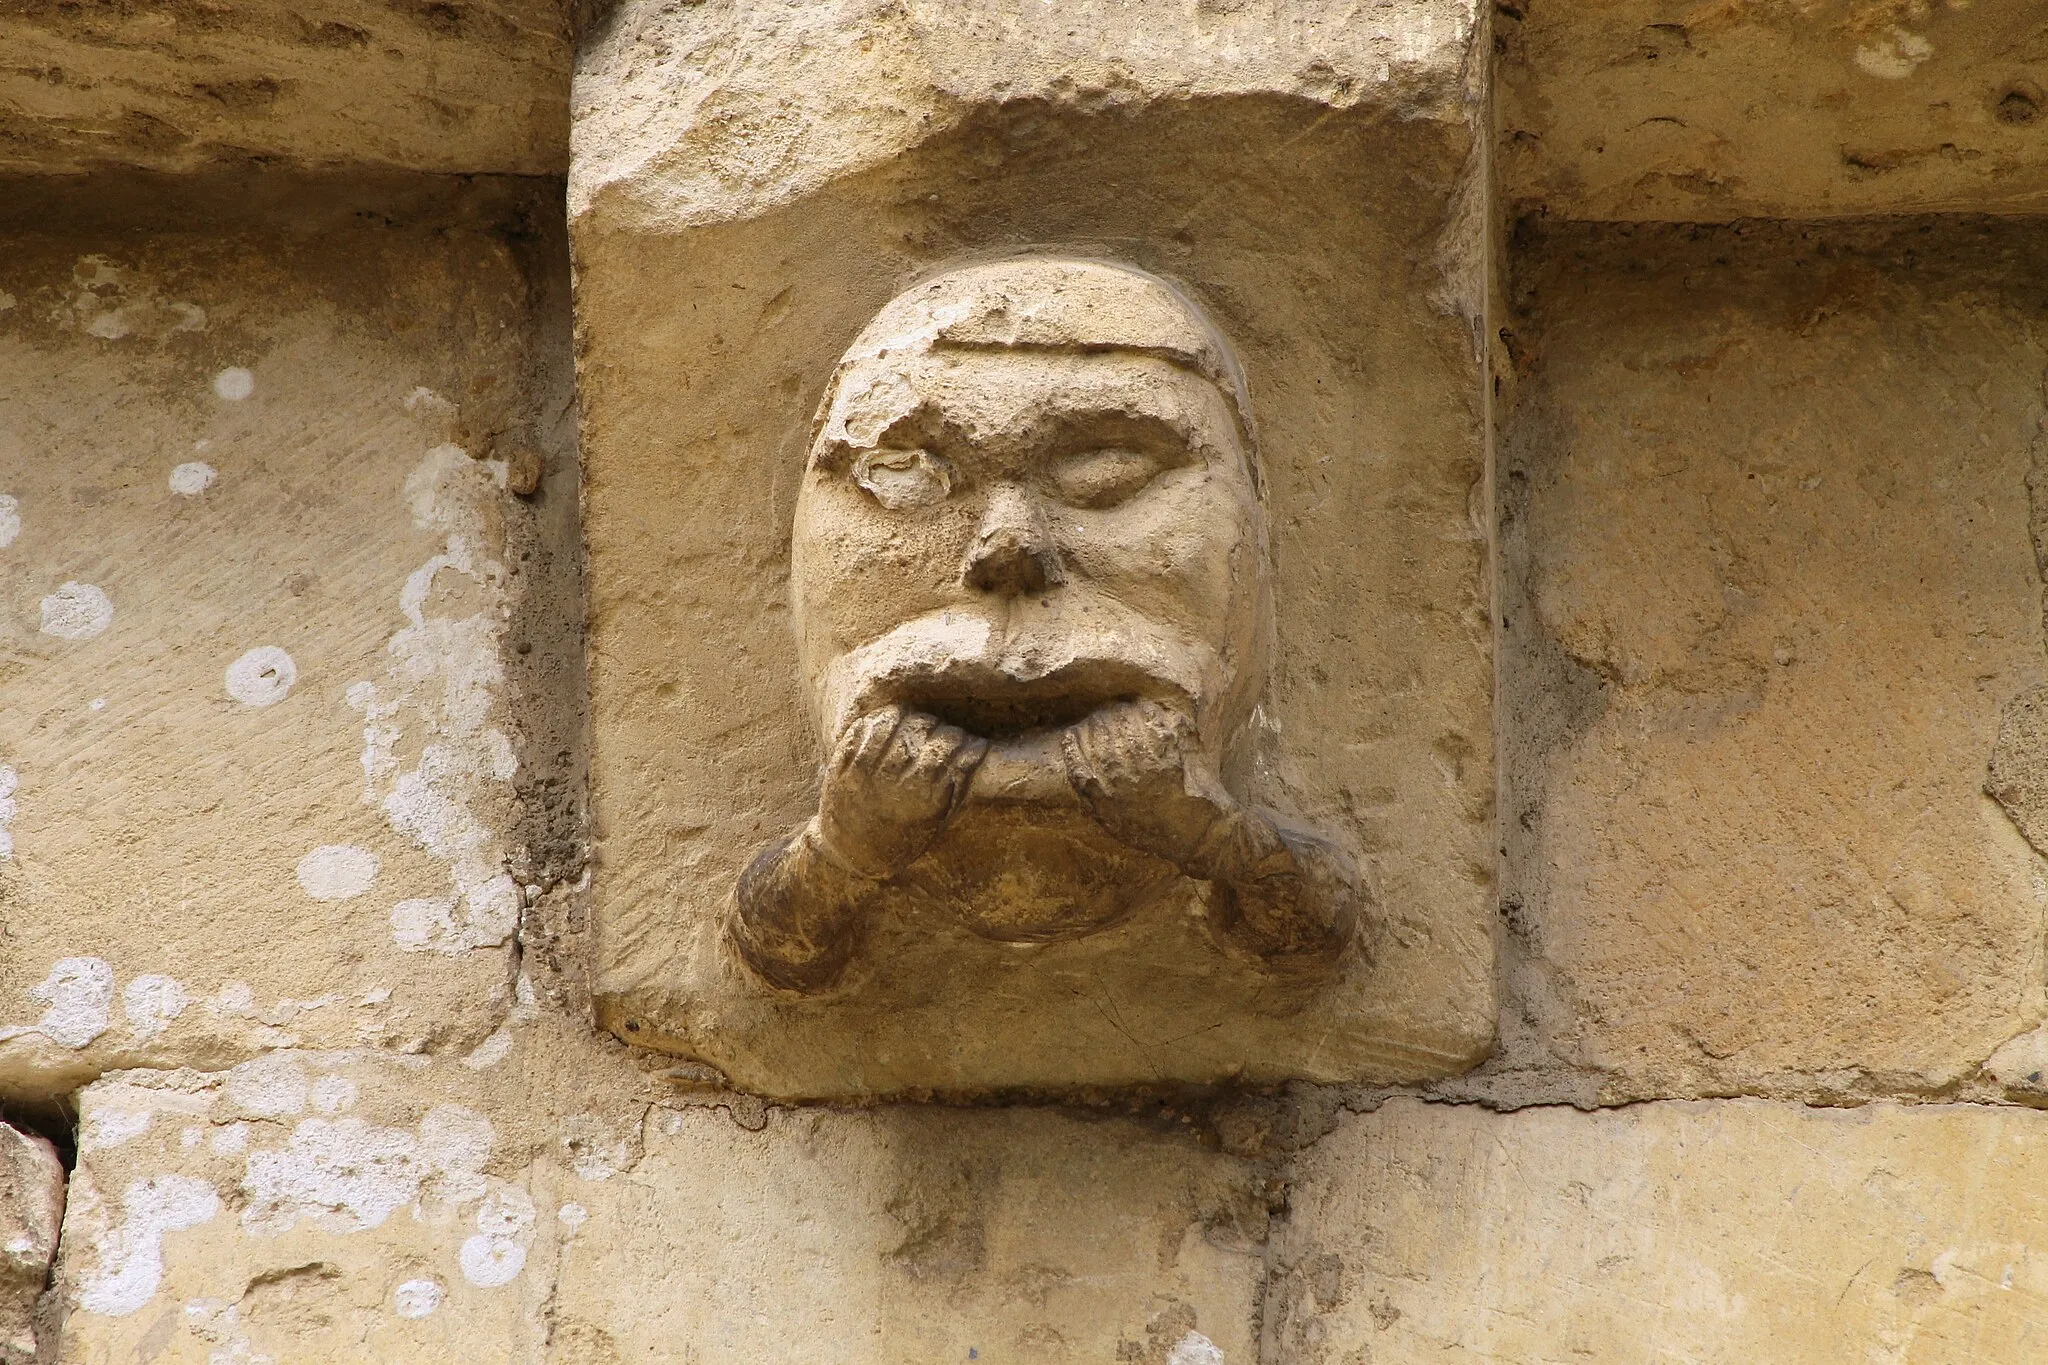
1011,539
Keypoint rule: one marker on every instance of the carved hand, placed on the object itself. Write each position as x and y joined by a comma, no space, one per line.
1282,894
1130,764
893,782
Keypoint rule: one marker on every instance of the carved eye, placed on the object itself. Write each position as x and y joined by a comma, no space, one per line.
1104,478
900,479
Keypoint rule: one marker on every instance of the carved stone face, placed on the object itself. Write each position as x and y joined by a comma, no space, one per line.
1030,495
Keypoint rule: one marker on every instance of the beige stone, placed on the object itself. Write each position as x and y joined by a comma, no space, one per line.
264,593
553,1205
31,1207
473,86
1667,109
1771,588
1709,1232
1046,461
784,173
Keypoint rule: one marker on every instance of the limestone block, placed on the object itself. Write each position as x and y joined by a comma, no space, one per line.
473,86
1771,588
31,1208
1710,1232
1664,109
264,584
1042,188
548,1204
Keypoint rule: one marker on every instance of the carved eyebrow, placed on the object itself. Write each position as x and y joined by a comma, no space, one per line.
1153,432
923,426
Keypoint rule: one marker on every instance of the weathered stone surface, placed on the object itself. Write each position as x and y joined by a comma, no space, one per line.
263,597
551,1204
1734,1231
783,173
31,1209
470,85
1665,109
1771,587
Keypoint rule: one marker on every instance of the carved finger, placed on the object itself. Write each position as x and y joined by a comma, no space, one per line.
846,749
912,738
935,750
876,731
1124,748
1083,772
966,754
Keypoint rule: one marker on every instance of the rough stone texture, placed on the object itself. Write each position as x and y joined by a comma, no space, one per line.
1770,587
31,1207
259,767
1710,1232
1669,109
783,172
434,85
1773,706
552,1204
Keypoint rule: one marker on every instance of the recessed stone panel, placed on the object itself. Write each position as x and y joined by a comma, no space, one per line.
1038,560
263,579
1773,607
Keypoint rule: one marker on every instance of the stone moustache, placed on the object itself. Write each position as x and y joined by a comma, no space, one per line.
1029,581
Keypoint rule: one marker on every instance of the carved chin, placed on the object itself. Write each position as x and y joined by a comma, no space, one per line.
1022,862
1034,874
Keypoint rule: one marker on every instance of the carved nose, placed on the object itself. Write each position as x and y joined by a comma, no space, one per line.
1013,551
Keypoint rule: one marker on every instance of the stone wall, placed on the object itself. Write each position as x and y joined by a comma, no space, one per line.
401,414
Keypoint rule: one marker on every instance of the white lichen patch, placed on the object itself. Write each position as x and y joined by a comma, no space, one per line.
504,1227
333,1094
346,1175
1194,1349
456,1142
490,1051
343,1175
77,611
270,1087
10,781
131,1254
79,998
417,1298
337,872
234,998
192,478
113,1127
1895,56
433,759
593,1149
150,1002
261,677
234,384
10,519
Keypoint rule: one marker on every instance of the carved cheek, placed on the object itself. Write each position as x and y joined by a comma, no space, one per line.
866,568
1173,553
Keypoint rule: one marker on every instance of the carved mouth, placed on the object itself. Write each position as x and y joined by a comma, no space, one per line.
984,702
